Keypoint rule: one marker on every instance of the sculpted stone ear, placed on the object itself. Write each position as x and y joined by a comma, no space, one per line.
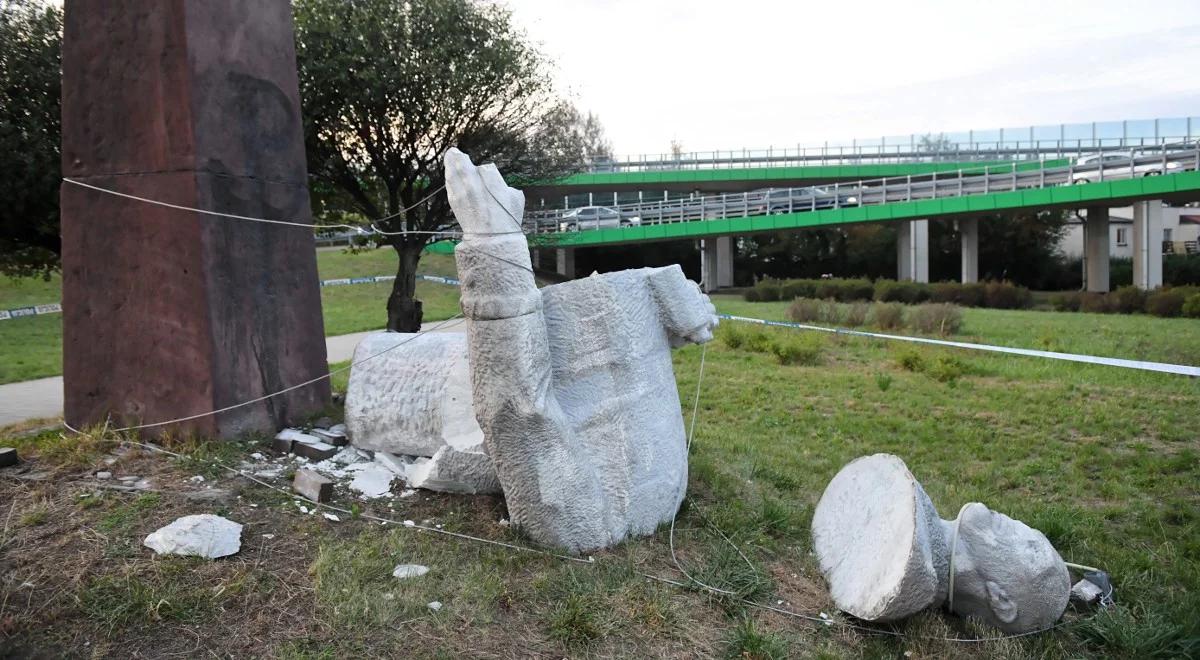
1001,605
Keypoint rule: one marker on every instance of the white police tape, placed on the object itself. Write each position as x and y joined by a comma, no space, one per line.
56,308
1180,369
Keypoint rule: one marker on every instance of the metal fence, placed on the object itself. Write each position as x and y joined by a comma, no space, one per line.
1019,143
955,183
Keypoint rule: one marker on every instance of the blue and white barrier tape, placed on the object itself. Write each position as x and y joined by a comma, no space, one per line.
1181,369
56,308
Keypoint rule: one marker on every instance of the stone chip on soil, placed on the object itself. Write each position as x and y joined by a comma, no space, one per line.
203,535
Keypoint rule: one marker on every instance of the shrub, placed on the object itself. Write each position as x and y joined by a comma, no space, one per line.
940,318
830,312
883,382
1006,295
945,292
856,314
751,295
1165,302
757,340
1127,300
1191,306
1066,302
905,292
853,290
793,289
887,315
1181,269
1096,303
946,368
731,334
973,294
769,290
804,310
910,360
797,349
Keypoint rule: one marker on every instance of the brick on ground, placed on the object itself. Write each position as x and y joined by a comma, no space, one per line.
312,485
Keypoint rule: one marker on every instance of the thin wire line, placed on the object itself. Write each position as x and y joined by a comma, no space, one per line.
293,387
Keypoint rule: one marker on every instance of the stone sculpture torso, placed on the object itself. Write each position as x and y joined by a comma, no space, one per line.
573,385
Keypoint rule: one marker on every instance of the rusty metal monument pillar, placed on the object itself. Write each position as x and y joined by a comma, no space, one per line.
171,313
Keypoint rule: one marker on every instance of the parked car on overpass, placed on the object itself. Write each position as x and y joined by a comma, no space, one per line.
1118,165
596,217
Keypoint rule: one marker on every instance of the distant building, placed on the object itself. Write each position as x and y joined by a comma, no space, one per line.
1180,232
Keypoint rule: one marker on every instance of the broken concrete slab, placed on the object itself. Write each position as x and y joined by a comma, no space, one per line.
314,451
329,437
203,535
312,485
371,479
8,456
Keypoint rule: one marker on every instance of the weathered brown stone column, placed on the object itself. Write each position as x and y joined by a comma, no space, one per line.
170,313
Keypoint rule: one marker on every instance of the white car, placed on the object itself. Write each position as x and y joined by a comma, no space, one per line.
1116,166
596,217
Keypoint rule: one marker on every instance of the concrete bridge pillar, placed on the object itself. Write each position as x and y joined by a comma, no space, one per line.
968,229
716,262
1147,244
1095,249
912,251
566,262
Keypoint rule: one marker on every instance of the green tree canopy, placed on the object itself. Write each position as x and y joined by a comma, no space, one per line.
387,87
30,86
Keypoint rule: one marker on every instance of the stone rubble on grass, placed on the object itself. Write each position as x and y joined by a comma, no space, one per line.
104,475
434,605
1085,593
404,571
313,485
887,555
203,535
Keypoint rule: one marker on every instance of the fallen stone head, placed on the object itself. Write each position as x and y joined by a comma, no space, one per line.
887,555
572,385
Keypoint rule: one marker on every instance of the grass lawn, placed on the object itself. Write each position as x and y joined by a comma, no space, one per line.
31,347
1105,461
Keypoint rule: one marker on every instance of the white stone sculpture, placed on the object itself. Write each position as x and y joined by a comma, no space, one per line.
887,555
573,385
413,399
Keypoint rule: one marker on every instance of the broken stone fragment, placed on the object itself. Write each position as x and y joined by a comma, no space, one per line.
404,571
887,555
314,451
1084,592
203,535
372,480
312,485
8,456
329,437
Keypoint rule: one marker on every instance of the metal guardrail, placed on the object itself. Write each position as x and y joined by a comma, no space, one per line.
1023,143
956,183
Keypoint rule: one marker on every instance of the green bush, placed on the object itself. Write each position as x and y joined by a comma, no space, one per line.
793,289
1181,269
856,314
1191,306
731,334
904,292
936,318
944,292
1127,300
974,294
887,315
830,312
751,295
911,360
797,349
946,368
852,290
758,340
1096,303
1066,302
804,310
1165,302
1006,295
769,290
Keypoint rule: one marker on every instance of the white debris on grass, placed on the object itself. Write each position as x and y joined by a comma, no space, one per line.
196,479
104,475
258,457
372,480
435,605
404,571
408,492
203,535
330,516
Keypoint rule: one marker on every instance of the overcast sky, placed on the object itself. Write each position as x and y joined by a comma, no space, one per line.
753,73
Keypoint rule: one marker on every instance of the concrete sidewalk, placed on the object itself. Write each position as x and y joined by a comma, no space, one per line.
36,399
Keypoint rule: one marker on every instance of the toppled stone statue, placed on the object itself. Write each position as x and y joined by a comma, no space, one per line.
573,385
887,555
413,400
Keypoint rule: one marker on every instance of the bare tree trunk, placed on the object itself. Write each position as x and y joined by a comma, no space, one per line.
404,310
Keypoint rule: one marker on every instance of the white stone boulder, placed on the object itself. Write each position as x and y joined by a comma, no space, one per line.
887,555
203,535
573,385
